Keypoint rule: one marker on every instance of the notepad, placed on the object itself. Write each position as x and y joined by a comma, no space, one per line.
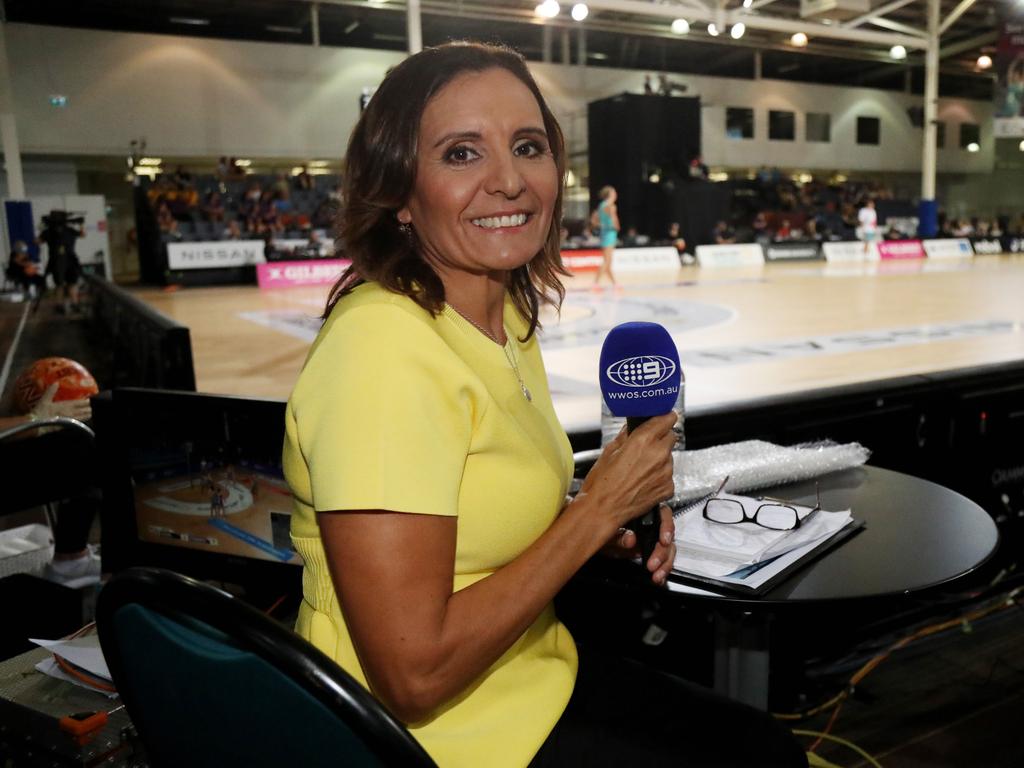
746,556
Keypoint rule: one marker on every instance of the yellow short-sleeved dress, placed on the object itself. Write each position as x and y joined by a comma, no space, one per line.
399,410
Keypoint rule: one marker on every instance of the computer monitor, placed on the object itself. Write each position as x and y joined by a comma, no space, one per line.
193,482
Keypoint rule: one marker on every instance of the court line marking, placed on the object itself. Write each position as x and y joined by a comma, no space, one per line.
6,372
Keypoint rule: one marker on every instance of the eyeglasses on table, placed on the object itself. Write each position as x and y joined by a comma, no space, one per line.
774,514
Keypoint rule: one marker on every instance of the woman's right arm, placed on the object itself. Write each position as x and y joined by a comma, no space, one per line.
420,643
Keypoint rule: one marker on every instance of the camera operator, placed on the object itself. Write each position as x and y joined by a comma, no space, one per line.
59,236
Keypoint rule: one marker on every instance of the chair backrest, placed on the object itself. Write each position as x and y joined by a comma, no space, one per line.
210,681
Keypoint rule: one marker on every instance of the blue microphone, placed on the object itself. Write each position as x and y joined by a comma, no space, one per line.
640,378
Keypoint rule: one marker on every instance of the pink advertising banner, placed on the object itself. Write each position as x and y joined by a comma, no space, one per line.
289,274
901,249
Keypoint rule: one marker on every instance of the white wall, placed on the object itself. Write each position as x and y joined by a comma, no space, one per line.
570,89
57,177
186,96
193,96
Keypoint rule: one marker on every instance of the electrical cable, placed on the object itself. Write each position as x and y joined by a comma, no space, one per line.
844,742
1002,603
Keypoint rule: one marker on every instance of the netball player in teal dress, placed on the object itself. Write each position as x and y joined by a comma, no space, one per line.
607,217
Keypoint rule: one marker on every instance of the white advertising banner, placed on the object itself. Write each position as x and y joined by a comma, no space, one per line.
987,246
215,254
950,248
841,253
731,255
645,259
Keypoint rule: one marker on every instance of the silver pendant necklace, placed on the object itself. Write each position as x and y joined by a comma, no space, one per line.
506,348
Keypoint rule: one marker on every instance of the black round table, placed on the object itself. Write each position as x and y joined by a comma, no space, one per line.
918,536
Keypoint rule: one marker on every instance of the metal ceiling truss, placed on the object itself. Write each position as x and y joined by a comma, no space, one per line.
645,18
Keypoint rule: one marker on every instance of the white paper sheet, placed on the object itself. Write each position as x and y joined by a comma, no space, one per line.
84,652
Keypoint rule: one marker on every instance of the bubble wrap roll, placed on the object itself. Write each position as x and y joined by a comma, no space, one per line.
753,464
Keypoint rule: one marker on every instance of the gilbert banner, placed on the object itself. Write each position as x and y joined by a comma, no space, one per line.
1009,92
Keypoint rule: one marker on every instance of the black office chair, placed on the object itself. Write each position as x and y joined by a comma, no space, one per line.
210,681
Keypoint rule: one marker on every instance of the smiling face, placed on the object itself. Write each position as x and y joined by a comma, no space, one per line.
486,180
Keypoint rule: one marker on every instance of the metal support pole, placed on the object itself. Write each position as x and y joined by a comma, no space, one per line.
757,64
314,23
414,27
928,211
8,127
545,43
566,54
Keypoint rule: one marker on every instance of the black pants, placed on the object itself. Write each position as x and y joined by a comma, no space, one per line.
624,714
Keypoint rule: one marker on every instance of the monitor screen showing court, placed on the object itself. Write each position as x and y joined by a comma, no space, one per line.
196,483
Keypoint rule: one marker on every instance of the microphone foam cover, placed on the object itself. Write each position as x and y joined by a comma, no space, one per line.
640,372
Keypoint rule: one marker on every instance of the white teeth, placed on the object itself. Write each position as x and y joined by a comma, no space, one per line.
494,222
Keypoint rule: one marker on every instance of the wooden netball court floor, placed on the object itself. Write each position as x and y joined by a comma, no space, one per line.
743,333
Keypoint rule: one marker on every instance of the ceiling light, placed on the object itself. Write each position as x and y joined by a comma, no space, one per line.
150,161
351,27
747,3
973,147
898,52
984,62
580,12
737,30
548,9
712,29
242,162
317,163
1021,146
680,26
799,39
192,22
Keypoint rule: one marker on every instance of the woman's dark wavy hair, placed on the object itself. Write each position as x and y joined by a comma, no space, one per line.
380,175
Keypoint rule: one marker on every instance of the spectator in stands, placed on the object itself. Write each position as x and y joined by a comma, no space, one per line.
182,178
184,202
811,230
268,217
223,169
281,188
677,241
964,228
698,170
323,216
336,194
250,210
303,179
167,224
213,207
759,228
314,244
785,231
271,251
232,231
24,272
723,234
